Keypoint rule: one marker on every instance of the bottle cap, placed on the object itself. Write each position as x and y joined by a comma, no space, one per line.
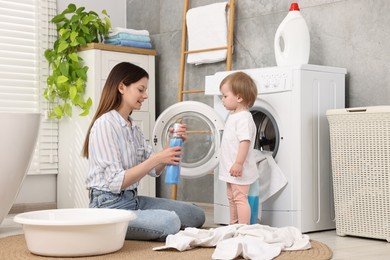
176,126
294,7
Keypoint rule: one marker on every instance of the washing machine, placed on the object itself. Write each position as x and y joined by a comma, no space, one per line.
290,117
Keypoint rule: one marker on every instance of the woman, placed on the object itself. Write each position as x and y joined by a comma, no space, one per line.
119,158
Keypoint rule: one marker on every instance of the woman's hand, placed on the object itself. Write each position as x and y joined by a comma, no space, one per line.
170,155
181,131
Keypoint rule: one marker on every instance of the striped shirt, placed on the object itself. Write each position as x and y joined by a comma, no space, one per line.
114,147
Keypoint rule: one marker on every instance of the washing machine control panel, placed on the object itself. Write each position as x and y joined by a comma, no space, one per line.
268,80
273,81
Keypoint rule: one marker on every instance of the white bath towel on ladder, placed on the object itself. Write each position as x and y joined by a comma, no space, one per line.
207,28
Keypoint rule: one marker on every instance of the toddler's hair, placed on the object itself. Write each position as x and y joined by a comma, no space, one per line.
242,85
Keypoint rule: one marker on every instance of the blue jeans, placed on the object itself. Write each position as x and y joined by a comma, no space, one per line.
156,217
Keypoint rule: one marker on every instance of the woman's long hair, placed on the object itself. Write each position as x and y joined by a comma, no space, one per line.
124,72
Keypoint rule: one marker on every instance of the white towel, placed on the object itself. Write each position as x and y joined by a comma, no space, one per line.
193,237
250,241
271,178
117,30
207,28
246,246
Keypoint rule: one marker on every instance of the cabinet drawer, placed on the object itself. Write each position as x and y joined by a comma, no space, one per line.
141,119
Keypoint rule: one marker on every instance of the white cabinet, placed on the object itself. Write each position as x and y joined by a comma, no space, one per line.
73,168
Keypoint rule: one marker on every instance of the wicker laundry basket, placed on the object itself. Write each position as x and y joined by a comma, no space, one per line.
360,155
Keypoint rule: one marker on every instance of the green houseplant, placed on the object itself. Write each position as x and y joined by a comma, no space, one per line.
67,82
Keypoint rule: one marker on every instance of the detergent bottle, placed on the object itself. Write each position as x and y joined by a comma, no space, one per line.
253,200
294,33
173,171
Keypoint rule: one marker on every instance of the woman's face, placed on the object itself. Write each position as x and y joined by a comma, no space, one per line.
134,94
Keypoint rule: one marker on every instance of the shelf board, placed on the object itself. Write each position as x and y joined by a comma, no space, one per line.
110,47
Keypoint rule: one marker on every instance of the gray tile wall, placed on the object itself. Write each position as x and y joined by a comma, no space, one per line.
353,34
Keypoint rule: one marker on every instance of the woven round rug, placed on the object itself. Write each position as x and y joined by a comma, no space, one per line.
14,247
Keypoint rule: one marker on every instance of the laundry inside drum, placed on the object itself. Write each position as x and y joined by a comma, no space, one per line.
267,132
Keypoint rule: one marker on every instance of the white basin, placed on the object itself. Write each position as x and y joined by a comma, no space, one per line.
75,232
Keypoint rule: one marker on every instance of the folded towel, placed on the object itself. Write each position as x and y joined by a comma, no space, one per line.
129,43
128,36
116,30
207,28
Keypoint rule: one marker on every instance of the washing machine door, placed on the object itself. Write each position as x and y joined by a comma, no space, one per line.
204,131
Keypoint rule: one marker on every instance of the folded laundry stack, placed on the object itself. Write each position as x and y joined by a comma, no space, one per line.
129,37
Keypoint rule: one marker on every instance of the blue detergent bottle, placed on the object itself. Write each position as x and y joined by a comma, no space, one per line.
253,199
172,175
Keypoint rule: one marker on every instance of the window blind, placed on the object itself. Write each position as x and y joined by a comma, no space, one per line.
25,33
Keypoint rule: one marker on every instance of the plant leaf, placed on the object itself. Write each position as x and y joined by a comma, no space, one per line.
58,110
80,10
65,36
64,68
105,12
63,46
74,26
89,102
85,112
49,55
74,57
74,43
88,18
74,18
72,92
84,29
81,73
58,18
61,79
68,109
82,41
73,36
107,26
46,94
53,115
63,31
71,8
76,100
79,83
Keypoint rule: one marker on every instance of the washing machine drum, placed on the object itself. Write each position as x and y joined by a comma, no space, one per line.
267,136
204,128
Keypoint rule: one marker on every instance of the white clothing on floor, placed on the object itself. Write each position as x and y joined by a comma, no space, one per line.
251,241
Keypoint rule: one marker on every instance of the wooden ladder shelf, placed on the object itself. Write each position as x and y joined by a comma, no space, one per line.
181,90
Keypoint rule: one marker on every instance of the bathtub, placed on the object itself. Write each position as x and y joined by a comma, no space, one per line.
18,136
